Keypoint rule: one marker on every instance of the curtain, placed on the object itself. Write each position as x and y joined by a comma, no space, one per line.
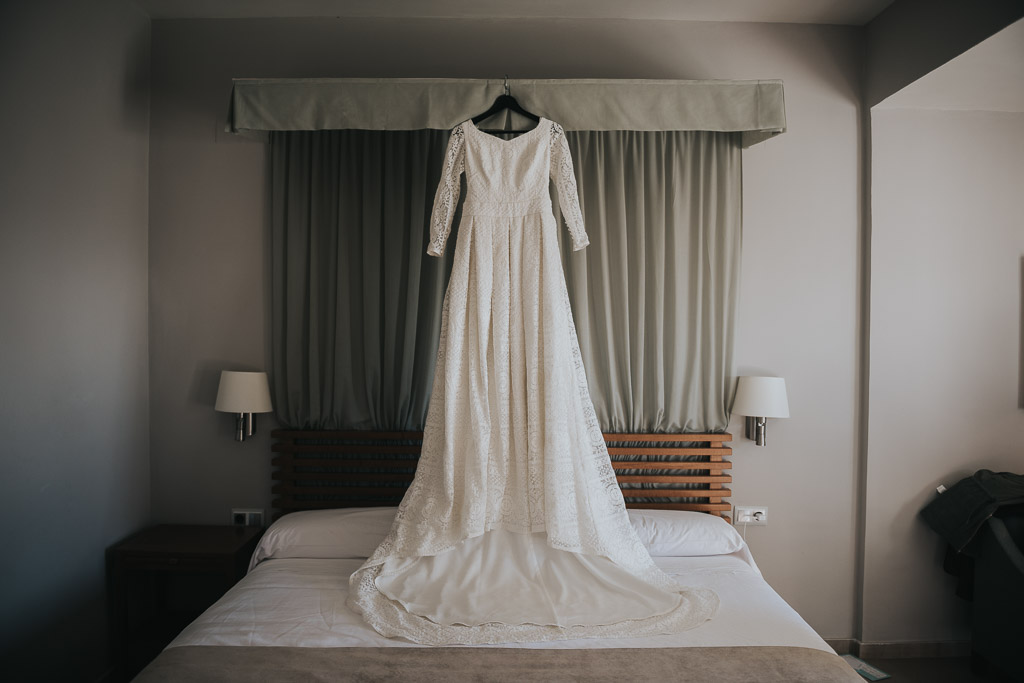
654,295
356,302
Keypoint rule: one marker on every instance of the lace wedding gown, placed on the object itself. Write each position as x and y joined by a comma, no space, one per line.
514,528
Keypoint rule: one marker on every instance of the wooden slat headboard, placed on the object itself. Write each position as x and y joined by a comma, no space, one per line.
337,469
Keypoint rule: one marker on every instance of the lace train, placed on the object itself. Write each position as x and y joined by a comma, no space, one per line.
511,443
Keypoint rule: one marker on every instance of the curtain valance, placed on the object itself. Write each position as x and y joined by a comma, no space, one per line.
756,109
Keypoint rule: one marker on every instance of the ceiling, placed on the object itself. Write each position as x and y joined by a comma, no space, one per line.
849,12
988,77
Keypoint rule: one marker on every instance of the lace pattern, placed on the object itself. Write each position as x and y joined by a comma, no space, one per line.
447,196
511,439
565,184
505,200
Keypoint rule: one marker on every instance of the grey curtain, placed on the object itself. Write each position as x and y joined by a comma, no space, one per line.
654,295
356,302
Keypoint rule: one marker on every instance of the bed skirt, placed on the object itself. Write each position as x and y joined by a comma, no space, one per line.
230,664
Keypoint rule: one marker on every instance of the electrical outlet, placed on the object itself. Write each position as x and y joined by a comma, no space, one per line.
752,515
247,516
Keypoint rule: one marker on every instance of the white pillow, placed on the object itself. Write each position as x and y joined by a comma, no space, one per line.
342,533
678,533
356,533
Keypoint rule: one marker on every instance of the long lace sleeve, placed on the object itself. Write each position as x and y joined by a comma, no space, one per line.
447,196
565,183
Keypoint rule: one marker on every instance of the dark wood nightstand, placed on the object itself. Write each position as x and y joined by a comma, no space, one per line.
162,578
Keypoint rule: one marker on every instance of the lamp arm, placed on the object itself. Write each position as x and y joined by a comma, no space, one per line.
756,429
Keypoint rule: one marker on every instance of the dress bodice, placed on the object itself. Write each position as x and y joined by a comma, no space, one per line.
506,178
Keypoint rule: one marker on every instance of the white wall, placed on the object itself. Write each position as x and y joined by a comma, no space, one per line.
947,272
798,315
74,431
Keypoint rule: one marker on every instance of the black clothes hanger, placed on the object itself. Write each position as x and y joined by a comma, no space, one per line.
505,101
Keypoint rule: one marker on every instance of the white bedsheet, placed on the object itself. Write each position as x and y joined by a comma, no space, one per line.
301,603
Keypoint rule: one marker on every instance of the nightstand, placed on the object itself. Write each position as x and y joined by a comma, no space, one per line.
162,578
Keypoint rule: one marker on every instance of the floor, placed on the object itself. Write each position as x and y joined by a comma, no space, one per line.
943,670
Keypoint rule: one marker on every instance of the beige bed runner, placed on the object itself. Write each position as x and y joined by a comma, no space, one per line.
198,664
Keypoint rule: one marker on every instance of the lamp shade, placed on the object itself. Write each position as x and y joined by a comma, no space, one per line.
243,392
761,397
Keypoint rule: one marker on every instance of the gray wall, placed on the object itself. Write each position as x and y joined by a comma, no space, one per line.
947,272
914,37
798,316
74,414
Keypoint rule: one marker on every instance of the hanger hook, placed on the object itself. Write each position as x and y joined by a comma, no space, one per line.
506,84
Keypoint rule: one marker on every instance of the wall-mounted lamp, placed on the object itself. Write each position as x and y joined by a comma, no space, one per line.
243,393
760,398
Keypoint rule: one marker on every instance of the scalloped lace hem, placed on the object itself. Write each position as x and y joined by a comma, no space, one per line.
390,619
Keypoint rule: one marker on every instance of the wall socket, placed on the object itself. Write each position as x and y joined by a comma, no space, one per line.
752,515
247,516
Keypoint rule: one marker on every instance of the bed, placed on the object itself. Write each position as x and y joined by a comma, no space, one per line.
287,619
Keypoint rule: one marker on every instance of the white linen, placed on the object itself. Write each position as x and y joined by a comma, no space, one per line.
346,533
680,533
342,533
511,442
301,603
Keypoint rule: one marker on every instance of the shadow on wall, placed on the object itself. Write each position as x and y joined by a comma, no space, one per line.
194,62
135,83
72,645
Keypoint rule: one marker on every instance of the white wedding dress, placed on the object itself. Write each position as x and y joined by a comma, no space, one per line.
514,528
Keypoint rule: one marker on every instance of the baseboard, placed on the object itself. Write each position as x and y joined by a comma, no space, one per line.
904,650
916,650
844,646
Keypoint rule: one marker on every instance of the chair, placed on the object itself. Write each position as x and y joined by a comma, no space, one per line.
998,612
